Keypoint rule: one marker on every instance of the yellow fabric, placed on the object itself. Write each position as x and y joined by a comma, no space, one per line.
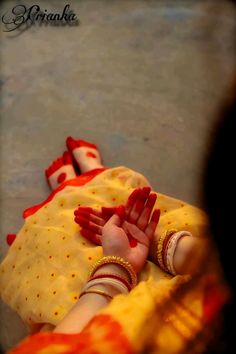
55,349
49,262
150,316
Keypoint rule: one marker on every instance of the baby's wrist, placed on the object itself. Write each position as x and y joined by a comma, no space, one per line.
190,254
108,280
170,250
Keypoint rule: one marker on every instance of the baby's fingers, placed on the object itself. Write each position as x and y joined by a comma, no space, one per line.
107,212
89,225
132,200
90,217
139,204
91,236
118,218
88,210
150,229
146,212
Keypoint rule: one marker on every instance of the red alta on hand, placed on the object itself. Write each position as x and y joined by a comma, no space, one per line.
134,216
92,221
129,232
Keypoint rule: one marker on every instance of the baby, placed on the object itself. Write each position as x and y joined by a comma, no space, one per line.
50,258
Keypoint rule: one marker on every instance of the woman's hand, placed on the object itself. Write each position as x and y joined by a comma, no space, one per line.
128,232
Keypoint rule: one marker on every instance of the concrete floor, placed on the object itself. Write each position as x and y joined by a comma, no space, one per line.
142,79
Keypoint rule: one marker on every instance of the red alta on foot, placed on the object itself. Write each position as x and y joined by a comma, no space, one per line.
60,170
86,154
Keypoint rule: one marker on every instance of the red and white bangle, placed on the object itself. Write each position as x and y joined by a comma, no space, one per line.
117,284
121,262
161,248
169,251
113,276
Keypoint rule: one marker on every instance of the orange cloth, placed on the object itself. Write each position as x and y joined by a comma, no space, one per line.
102,335
49,262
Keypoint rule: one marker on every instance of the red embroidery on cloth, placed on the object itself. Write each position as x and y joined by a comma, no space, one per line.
102,328
76,182
76,343
103,334
10,239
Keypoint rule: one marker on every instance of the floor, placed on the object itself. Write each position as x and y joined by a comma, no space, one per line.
142,79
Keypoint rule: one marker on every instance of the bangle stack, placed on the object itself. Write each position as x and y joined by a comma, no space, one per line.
118,282
113,276
120,261
166,249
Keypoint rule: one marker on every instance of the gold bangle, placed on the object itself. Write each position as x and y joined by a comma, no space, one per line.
117,260
96,291
159,250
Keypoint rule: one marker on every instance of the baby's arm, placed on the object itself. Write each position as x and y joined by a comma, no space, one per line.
179,252
89,304
190,254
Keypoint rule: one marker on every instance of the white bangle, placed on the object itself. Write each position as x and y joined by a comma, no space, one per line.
117,284
170,252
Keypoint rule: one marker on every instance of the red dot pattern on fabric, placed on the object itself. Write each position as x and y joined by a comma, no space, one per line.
61,178
91,154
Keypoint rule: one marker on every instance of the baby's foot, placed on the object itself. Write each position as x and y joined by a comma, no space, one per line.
86,154
60,170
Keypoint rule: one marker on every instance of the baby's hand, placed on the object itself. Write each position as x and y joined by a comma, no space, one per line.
116,236
92,220
123,231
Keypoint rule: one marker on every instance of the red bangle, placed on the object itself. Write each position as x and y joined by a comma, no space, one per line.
164,249
114,276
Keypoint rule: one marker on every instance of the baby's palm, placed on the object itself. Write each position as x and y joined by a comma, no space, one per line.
126,241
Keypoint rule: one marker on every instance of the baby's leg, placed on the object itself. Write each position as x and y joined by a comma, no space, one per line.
60,170
86,154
